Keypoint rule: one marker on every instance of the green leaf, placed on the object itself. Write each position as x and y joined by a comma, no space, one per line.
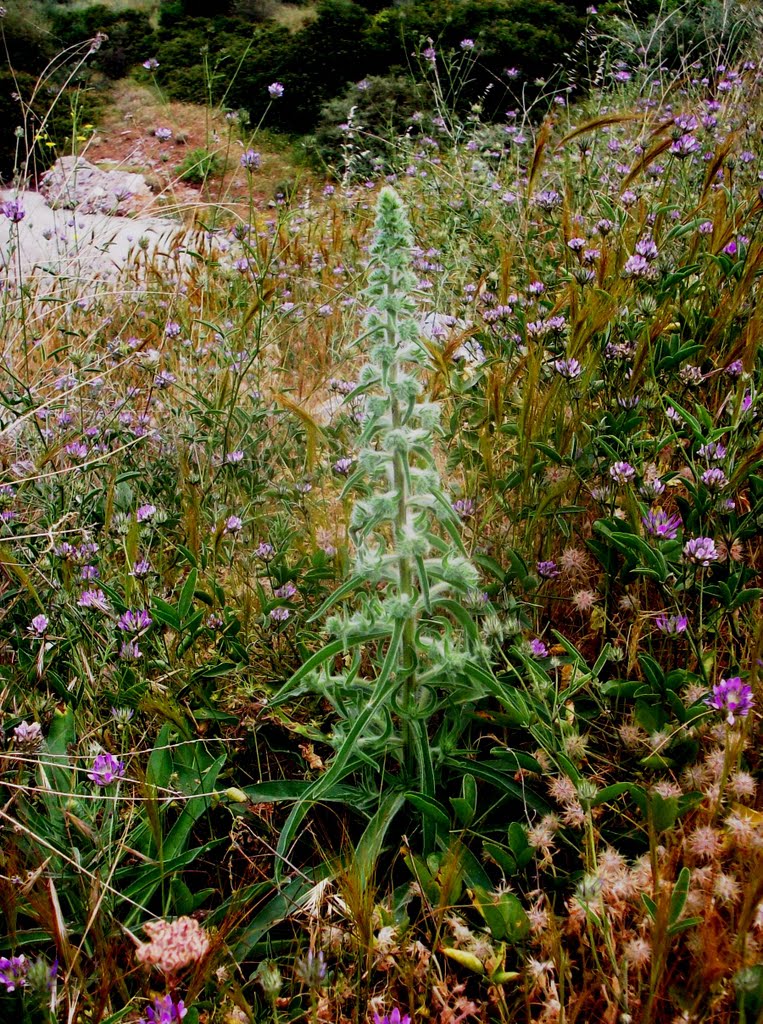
186,594
385,686
182,897
651,906
663,811
429,807
504,915
370,845
320,658
679,895
681,926
164,613
612,792
194,806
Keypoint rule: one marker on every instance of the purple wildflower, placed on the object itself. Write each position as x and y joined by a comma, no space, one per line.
285,592
264,551
250,160
659,524
28,735
151,64
547,570
141,569
569,369
733,697
464,507
39,624
275,90
392,1018
637,266
134,621
622,472
233,457
77,450
164,379
233,524
130,651
106,769
164,1011
701,551
671,623
145,512
713,451
14,210
279,614
538,648
714,479
94,598
172,329
163,134
342,466
685,146
13,971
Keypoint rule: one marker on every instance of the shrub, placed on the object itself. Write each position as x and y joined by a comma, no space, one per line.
198,166
364,123
130,36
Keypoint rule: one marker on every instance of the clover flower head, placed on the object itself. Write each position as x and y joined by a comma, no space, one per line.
13,972
164,1010
392,1018
275,90
173,945
39,625
714,478
233,524
733,697
250,160
622,472
106,769
701,551
569,369
464,507
14,210
311,970
547,570
27,735
136,621
671,624
94,598
660,524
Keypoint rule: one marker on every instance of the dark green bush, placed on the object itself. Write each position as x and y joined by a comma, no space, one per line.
347,41
383,110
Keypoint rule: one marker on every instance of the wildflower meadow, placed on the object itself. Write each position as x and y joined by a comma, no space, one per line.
381,560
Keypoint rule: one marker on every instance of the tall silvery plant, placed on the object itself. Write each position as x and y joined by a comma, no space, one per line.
395,725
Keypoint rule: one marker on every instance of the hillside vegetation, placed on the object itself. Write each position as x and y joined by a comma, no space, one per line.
381,564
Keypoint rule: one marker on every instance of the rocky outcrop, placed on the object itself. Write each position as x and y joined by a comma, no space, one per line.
73,183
